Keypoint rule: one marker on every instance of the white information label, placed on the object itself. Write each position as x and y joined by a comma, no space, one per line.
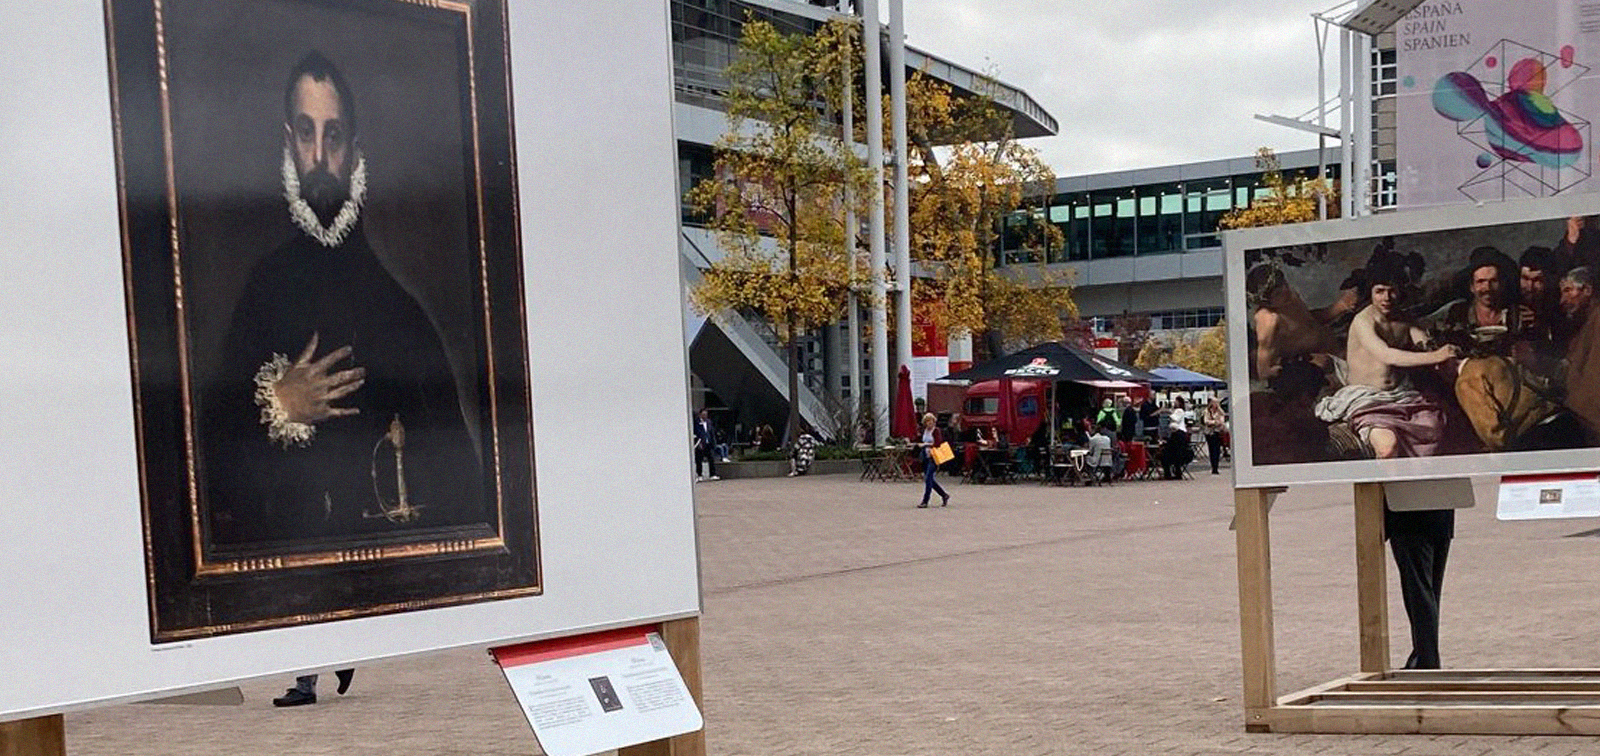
599,692
1548,497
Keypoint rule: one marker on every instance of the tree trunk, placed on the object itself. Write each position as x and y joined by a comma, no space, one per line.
793,433
996,342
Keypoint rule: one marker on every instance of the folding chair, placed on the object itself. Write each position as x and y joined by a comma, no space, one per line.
1022,463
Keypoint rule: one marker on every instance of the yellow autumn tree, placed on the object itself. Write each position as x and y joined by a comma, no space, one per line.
969,175
1211,352
782,179
1207,354
1286,200
1157,351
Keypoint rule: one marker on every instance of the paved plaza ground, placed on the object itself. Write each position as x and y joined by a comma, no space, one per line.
1021,620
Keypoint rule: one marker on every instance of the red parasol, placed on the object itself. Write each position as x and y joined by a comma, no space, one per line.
902,416
1003,411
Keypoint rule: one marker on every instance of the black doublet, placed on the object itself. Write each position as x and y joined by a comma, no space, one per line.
262,491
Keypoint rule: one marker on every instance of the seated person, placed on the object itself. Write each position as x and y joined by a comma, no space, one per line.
1099,459
1041,436
1176,454
1119,457
805,452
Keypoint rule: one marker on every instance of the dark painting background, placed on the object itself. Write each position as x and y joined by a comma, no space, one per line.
229,62
1447,254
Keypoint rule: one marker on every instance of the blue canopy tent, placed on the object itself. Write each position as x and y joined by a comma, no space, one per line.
1171,376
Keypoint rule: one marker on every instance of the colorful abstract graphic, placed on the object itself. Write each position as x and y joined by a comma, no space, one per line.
1523,124
1526,146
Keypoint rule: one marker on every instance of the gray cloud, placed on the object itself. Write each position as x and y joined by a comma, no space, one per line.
1140,84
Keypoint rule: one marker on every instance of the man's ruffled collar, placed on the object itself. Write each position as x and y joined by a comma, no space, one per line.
333,234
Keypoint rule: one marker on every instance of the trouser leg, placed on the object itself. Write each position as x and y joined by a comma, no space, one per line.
710,460
1421,561
1214,447
929,484
306,684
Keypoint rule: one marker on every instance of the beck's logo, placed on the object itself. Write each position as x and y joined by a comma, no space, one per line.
1039,366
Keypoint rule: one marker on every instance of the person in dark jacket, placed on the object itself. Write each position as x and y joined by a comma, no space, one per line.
705,447
1132,426
1149,415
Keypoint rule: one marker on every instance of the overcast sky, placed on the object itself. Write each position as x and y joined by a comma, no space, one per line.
1141,84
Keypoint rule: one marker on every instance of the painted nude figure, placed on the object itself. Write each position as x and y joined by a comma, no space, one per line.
1378,401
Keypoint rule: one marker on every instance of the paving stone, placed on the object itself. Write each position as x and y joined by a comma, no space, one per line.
1020,620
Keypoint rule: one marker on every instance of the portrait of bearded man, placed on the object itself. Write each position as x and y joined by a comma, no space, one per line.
335,413
327,309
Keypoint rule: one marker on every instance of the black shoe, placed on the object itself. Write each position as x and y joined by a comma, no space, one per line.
295,697
945,502
345,676
923,505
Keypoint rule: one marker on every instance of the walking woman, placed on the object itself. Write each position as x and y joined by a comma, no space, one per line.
931,437
1215,422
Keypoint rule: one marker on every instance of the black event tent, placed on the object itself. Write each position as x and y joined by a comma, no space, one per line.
1054,361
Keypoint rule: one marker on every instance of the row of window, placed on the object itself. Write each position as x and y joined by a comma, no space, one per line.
705,35
1098,225
1148,219
1385,71
1205,317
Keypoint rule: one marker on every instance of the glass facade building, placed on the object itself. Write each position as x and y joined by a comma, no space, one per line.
1112,215
1147,243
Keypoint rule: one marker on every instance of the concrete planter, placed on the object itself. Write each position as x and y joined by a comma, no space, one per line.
778,468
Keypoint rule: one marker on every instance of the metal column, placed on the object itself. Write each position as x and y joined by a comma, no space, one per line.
871,44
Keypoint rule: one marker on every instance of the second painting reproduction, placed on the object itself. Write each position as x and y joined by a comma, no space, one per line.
1480,339
326,308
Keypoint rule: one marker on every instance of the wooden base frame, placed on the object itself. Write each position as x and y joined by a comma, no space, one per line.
1378,699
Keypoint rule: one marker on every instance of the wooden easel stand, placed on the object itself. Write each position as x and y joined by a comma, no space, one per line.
41,736
1379,699
683,641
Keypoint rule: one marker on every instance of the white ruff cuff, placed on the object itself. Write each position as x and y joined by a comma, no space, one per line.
280,429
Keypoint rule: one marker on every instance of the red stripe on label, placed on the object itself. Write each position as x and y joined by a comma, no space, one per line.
577,645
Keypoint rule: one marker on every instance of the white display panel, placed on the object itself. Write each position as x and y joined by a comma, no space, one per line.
598,211
1495,100
1284,442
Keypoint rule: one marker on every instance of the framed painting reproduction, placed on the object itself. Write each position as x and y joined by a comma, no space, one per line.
1428,344
325,303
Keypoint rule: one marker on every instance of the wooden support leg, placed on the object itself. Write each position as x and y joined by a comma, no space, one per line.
683,640
1372,581
1251,507
43,736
